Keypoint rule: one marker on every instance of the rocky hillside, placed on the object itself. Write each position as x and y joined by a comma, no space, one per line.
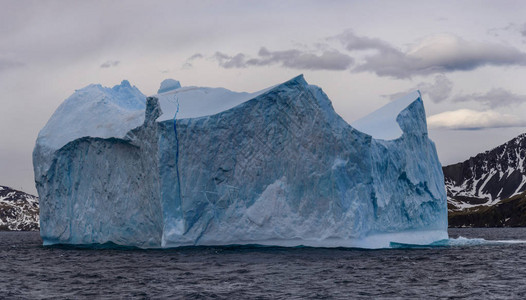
487,190
509,212
488,177
18,210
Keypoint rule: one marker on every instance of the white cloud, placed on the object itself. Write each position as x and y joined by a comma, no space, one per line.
467,119
435,54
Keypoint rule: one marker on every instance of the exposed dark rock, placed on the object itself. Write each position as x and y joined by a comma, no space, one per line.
488,190
509,212
488,177
18,210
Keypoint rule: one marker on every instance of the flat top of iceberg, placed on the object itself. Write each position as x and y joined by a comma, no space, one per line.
381,124
95,111
103,112
200,101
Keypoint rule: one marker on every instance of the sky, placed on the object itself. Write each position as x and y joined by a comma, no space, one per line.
468,58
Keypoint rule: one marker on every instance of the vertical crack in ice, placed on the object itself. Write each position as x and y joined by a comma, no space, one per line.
177,154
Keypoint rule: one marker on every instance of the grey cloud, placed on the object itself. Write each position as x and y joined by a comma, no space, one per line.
110,63
434,55
496,31
293,59
296,59
496,97
228,62
321,46
441,89
195,56
188,63
511,27
437,54
6,64
438,91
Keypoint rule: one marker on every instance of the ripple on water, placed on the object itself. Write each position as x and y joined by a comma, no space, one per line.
473,263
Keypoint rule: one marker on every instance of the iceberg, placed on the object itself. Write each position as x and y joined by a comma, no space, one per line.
169,85
209,166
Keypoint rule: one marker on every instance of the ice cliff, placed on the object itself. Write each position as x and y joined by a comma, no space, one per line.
208,166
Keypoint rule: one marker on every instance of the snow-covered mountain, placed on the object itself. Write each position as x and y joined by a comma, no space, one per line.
18,210
487,178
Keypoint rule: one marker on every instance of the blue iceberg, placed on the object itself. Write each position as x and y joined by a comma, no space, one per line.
209,166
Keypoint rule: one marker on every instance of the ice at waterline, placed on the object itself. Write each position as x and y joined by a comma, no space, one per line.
275,167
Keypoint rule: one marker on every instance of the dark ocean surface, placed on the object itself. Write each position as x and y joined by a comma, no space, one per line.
466,268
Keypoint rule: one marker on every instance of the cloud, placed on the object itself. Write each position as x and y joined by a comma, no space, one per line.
6,64
522,30
496,97
110,63
496,31
188,63
435,54
467,119
353,42
195,56
441,89
437,91
511,27
293,59
228,62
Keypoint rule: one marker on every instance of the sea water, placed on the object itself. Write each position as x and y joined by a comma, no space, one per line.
474,263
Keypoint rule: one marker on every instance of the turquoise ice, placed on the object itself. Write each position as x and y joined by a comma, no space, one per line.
275,167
